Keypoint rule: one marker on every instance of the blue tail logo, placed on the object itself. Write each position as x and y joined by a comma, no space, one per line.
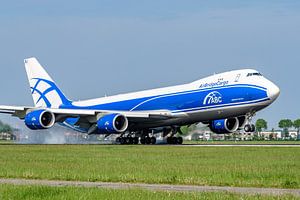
53,98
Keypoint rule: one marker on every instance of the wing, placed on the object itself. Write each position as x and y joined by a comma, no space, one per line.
89,117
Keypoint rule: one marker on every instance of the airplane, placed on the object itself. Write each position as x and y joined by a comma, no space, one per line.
226,102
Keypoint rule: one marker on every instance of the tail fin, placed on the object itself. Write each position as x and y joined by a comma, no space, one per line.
44,91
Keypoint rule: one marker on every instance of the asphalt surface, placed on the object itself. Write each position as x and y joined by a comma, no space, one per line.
154,187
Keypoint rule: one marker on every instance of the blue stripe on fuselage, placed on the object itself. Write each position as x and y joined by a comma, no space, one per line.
187,100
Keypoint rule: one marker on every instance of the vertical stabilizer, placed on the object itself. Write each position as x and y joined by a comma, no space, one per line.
44,91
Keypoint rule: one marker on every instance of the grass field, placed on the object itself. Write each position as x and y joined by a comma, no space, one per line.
8,192
6,142
223,166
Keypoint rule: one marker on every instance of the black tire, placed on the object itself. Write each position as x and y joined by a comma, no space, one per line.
135,140
169,140
148,140
174,140
122,140
253,128
153,140
118,140
247,128
179,140
129,140
143,140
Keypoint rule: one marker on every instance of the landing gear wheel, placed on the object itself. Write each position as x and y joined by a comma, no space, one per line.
253,128
174,140
143,140
135,140
122,140
118,140
153,140
179,140
169,140
148,140
247,128
128,140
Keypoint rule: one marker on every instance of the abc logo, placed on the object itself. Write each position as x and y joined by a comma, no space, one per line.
212,98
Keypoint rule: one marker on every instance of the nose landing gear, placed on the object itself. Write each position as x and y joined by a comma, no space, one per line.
249,127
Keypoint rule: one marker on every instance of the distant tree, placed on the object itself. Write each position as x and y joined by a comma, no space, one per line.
285,124
5,128
297,126
261,124
184,130
187,129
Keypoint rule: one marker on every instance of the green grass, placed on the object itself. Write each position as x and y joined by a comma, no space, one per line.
52,193
6,142
223,166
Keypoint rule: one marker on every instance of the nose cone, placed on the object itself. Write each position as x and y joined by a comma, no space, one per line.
273,91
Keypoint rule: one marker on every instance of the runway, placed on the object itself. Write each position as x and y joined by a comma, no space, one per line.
154,187
182,145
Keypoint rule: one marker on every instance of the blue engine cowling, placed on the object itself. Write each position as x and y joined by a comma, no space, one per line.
39,119
222,126
112,123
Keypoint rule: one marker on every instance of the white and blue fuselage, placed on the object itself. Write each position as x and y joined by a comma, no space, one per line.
225,101
220,96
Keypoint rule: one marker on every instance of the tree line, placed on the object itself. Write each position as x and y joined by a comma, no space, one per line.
5,128
284,124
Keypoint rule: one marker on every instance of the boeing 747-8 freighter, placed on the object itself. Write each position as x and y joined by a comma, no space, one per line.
225,102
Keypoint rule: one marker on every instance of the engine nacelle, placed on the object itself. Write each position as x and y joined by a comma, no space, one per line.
222,126
39,119
112,123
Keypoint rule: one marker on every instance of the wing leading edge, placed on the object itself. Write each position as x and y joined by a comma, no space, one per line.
21,111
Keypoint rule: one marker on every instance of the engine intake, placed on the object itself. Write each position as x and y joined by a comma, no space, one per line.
39,119
222,126
112,123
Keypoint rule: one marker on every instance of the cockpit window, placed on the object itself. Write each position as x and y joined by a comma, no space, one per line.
254,74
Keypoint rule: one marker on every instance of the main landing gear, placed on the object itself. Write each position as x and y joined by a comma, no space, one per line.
169,134
148,140
136,140
146,137
127,140
174,140
142,137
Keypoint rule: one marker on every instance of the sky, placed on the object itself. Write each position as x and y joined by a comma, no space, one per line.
104,47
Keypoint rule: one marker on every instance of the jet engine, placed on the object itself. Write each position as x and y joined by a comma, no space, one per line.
39,119
112,123
222,126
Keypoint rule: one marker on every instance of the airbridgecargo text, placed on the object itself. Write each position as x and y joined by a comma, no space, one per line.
214,84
